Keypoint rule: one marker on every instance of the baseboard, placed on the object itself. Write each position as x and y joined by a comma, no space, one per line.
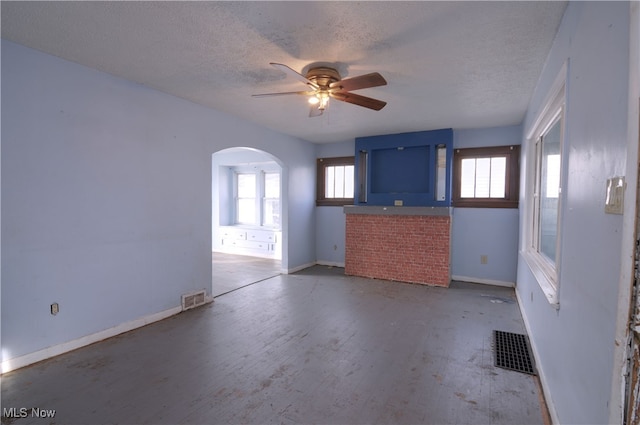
56,350
483,281
305,266
543,381
330,263
247,253
298,268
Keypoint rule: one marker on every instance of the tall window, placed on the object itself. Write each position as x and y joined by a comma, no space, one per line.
246,199
335,181
547,192
271,200
544,191
486,177
257,198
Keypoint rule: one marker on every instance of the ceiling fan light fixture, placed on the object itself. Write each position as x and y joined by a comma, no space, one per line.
313,100
324,100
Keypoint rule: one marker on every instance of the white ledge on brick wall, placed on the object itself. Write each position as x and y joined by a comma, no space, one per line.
388,210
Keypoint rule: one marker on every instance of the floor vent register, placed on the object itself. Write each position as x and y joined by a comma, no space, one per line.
512,351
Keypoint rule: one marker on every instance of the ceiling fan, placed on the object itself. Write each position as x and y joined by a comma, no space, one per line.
324,83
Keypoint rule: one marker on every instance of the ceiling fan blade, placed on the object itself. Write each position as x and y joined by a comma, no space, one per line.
305,93
315,111
356,99
361,82
293,73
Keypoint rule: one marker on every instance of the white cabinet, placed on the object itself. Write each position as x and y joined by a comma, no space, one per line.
250,241
262,236
240,244
233,233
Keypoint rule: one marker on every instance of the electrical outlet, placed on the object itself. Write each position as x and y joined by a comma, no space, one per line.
55,308
484,259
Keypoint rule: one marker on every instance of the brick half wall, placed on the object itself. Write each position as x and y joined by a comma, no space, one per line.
404,248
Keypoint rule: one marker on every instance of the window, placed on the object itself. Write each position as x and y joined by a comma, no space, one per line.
257,198
271,200
486,177
246,199
335,181
544,192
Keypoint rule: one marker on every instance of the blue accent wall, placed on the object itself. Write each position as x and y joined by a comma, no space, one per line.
402,167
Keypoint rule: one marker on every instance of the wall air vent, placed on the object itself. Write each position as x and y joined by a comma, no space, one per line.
193,300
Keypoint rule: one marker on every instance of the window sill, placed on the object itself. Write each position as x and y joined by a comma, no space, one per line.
337,202
483,203
253,227
547,283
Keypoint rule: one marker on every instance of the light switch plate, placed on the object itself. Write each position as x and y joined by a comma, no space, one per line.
614,202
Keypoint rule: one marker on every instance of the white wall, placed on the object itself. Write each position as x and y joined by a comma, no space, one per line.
106,198
485,231
574,345
330,221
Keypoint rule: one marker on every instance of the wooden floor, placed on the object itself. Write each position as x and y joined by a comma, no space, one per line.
231,272
312,347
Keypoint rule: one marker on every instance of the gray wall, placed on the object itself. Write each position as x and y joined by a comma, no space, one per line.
574,345
106,198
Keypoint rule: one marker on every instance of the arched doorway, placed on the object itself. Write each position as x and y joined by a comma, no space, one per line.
247,225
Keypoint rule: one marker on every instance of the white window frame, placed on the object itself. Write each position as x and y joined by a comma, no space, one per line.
259,197
546,272
237,198
263,204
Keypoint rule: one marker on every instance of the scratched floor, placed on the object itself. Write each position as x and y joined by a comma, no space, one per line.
312,347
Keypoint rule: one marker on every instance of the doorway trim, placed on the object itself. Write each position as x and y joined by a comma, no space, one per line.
620,372
284,198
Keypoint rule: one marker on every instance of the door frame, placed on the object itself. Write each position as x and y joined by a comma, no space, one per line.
622,399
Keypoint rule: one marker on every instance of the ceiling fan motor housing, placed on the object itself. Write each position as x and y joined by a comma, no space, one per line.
323,76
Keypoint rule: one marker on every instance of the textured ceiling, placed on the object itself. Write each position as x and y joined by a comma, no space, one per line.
448,64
